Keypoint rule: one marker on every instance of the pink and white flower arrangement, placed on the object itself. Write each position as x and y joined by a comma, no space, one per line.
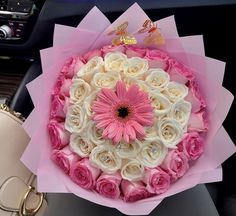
127,125
108,92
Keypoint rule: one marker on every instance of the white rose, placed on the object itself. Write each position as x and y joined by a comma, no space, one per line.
132,171
105,80
157,79
127,150
160,103
81,145
153,152
136,67
76,119
181,111
170,132
176,91
79,90
105,158
93,66
94,134
115,61
141,84
88,103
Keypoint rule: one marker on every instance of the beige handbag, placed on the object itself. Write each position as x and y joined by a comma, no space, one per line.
18,194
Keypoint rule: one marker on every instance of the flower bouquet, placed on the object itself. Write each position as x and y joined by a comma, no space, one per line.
127,113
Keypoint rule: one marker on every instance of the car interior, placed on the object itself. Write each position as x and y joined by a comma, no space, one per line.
26,27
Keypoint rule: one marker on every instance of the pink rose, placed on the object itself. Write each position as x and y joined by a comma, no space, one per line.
64,158
112,48
179,73
92,54
58,135
72,66
135,51
108,185
198,122
195,98
157,59
62,86
133,191
191,146
157,181
78,64
175,164
84,174
59,106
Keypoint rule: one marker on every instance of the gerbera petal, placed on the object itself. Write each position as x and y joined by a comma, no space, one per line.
103,123
103,116
138,128
105,133
143,121
141,98
120,89
110,95
101,109
147,115
112,135
112,127
132,93
130,131
149,122
118,135
100,104
144,108
142,102
125,136
104,99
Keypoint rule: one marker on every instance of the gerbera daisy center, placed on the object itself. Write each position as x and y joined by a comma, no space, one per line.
123,112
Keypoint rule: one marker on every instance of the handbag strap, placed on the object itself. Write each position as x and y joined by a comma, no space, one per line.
18,195
26,201
18,115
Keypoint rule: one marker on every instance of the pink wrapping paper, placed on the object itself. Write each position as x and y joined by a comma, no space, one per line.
69,41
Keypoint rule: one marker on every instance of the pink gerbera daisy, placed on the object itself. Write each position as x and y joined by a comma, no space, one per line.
122,113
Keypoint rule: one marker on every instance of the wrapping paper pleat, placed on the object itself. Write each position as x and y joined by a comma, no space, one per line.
168,27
